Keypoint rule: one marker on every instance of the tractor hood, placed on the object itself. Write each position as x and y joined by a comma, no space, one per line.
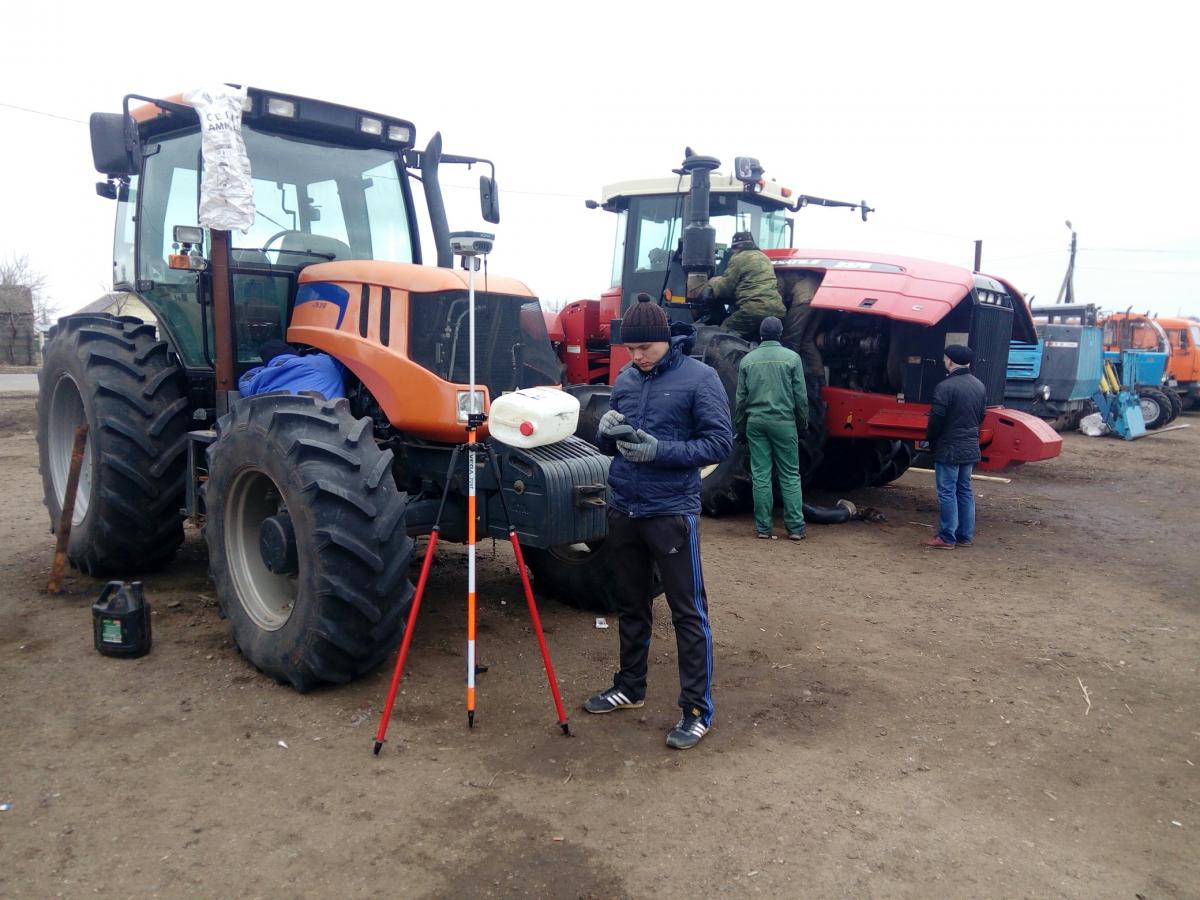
899,287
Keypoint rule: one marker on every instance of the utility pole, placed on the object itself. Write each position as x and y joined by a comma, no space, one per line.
1067,290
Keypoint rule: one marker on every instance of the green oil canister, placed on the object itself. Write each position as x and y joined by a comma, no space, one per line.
121,620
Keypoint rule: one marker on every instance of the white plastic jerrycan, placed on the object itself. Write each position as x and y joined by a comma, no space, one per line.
533,417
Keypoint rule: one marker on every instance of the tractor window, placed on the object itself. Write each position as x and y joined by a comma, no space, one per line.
124,236
315,202
390,235
327,214
619,248
1195,332
731,214
659,230
512,348
169,196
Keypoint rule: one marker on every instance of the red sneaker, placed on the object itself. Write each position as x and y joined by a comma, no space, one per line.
937,543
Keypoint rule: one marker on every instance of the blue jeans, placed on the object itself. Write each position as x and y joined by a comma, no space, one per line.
956,503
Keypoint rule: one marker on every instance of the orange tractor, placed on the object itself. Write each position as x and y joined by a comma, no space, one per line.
309,505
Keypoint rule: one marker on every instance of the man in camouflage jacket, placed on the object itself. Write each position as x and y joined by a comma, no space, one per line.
749,281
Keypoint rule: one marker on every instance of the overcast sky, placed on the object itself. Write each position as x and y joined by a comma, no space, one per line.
957,121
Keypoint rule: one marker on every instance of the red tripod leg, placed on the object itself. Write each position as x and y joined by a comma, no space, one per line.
537,628
409,628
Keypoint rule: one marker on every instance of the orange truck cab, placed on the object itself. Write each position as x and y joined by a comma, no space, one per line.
1183,365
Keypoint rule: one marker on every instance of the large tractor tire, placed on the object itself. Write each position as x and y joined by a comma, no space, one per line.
579,575
857,463
1156,408
307,541
725,487
1176,403
113,374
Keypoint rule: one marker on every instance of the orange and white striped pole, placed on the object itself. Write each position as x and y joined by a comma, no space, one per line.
474,416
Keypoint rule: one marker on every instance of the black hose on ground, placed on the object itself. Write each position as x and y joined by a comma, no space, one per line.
842,511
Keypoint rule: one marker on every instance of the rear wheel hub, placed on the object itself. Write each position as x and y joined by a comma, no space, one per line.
277,544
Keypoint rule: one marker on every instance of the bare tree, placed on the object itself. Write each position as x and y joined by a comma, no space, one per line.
19,315
17,272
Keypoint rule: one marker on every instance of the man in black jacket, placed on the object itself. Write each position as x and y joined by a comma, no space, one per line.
959,403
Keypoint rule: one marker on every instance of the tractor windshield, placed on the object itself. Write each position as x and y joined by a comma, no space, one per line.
658,226
314,202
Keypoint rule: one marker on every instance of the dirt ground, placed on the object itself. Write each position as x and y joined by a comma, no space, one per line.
1016,720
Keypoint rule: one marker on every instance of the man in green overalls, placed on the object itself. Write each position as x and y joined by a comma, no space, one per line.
772,404
749,281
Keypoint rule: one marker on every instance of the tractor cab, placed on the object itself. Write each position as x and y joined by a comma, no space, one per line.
329,183
651,217
332,188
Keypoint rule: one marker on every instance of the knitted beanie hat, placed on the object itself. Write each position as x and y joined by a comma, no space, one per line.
771,329
645,323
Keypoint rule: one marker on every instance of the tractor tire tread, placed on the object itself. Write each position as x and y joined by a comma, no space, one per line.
354,595
133,522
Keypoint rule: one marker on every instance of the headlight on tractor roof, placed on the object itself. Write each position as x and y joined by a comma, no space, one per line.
277,106
368,125
400,134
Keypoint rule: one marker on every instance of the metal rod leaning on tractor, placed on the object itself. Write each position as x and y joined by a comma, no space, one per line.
54,585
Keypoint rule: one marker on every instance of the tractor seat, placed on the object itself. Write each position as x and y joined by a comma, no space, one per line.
293,244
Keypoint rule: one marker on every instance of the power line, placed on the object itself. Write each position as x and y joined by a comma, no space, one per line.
1138,250
41,112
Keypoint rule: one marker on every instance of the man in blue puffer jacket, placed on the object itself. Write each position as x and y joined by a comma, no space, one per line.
668,417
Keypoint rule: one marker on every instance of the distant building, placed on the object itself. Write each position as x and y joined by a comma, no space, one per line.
19,345
119,304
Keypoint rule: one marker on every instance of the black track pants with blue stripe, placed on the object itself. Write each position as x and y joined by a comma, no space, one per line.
673,542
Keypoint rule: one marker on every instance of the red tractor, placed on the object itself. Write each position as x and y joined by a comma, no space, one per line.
881,325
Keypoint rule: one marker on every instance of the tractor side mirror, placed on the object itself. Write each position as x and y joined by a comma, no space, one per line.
112,151
114,189
747,169
489,200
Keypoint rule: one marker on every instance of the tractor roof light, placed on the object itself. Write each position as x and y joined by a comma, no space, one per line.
277,106
188,234
370,125
400,134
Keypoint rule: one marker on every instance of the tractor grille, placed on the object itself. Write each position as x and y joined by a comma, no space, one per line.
1024,360
992,331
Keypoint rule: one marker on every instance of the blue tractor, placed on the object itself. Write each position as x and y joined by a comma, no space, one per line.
1056,377
1138,348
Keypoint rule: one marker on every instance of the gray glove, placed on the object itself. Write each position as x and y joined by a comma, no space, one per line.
641,450
610,420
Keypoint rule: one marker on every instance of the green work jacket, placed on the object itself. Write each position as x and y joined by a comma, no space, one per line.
770,385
